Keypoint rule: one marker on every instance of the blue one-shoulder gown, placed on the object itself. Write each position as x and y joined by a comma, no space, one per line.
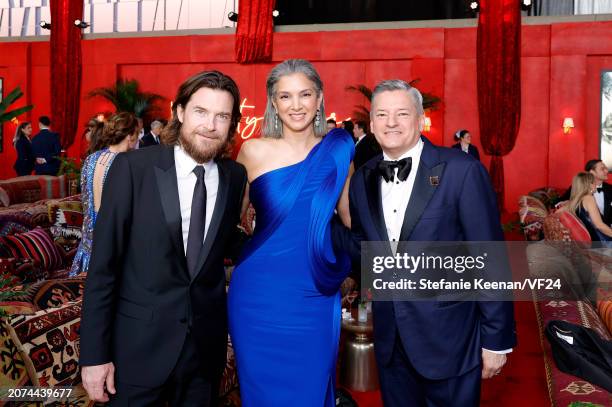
284,305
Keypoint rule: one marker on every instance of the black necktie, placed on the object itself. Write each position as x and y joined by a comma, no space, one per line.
599,189
197,223
387,169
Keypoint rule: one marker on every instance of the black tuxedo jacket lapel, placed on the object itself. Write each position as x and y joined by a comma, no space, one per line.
217,217
372,188
165,173
423,189
607,191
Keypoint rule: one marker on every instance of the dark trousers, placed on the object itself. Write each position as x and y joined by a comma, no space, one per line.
402,386
186,385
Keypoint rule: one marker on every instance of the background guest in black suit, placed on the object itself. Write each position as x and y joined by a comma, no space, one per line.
603,191
154,326
464,143
46,148
367,147
152,137
349,127
331,124
25,159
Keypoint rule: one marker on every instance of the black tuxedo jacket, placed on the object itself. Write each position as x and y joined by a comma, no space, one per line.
442,340
607,215
581,352
25,159
147,140
140,300
365,150
46,144
607,191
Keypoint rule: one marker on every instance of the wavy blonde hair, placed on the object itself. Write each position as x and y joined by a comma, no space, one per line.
581,187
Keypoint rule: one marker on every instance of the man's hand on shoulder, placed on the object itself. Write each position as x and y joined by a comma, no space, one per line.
492,363
99,381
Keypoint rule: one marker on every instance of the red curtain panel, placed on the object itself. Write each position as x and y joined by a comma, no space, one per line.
254,31
65,68
499,83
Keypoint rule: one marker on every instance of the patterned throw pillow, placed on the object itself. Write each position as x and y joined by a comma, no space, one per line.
15,222
4,198
531,210
16,308
18,271
24,190
578,232
532,213
36,245
52,187
548,196
554,230
604,307
12,366
22,292
49,344
56,293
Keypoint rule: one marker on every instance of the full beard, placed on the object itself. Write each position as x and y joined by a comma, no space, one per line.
202,154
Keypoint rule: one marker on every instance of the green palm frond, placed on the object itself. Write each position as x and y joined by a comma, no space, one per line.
364,90
361,112
126,97
9,99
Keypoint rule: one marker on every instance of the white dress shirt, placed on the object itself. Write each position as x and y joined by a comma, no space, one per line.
396,195
186,180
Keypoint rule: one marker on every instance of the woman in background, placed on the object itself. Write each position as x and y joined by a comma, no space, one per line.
464,143
93,131
25,159
118,135
582,204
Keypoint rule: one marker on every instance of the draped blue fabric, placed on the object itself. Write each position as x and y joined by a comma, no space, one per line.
284,305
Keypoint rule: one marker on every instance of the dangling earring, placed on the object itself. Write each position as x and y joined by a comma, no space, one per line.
317,121
275,121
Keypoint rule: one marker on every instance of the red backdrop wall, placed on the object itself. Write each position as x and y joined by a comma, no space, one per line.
561,65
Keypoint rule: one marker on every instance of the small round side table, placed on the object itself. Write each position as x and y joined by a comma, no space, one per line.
358,369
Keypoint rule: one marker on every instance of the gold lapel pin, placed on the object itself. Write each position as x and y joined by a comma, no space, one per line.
434,181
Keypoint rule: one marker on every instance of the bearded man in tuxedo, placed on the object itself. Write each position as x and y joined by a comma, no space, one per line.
154,325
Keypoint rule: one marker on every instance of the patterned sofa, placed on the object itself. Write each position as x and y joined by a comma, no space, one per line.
33,188
40,306
563,233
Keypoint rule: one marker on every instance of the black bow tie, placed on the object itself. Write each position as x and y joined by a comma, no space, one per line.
599,189
387,169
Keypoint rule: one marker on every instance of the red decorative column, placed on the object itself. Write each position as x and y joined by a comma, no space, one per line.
65,68
499,83
254,31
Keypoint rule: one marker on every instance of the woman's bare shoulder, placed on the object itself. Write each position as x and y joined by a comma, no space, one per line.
257,149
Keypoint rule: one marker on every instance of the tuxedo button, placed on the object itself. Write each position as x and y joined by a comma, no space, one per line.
183,320
397,182
394,210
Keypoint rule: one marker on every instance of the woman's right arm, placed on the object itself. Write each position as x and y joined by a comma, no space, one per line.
591,206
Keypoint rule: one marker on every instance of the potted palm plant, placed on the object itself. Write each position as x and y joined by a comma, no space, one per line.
126,96
7,115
